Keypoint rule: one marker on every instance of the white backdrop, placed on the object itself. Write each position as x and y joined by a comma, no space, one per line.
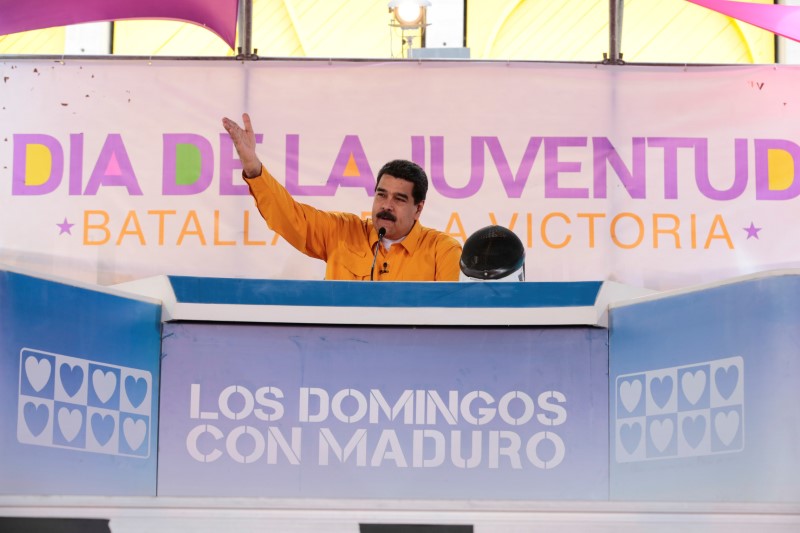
660,177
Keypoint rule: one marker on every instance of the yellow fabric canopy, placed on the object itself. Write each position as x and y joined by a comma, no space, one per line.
668,31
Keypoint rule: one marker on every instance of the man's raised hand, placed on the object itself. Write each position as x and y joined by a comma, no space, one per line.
244,140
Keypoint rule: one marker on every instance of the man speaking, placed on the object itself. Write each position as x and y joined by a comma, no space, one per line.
390,246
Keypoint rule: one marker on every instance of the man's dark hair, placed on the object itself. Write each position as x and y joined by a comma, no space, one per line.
409,171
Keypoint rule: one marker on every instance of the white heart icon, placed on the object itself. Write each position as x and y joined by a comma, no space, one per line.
38,372
726,426
630,392
104,383
70,422
693,385
661,433
135,432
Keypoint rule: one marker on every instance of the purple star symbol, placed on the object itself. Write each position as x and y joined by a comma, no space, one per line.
65,227
752,231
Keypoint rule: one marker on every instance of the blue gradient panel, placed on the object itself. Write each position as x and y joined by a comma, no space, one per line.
344,412
79,376
704,394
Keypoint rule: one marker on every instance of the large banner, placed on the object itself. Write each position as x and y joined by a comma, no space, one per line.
653,176
345,412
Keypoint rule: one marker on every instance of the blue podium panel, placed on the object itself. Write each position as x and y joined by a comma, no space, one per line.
79,371
396,294
704,394
384,412
359,303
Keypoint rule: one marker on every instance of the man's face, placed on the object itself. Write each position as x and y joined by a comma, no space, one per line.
393,207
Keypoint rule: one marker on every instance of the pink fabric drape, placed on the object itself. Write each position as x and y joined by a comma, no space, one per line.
780,19
219,16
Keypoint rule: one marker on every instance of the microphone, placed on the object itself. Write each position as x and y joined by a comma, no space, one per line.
381,233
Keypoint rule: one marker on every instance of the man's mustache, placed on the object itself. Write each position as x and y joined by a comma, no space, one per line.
386,215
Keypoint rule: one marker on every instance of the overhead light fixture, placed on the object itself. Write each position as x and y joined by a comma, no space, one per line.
409,13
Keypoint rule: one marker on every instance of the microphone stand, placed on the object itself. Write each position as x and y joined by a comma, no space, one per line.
381,233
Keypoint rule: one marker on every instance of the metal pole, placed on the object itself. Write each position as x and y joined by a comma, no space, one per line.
245,28
614,31
464,44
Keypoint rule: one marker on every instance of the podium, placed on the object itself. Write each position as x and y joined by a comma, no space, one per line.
304,405
357,390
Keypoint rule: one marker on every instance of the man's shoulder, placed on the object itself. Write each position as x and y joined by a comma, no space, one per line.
349,218
441,238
